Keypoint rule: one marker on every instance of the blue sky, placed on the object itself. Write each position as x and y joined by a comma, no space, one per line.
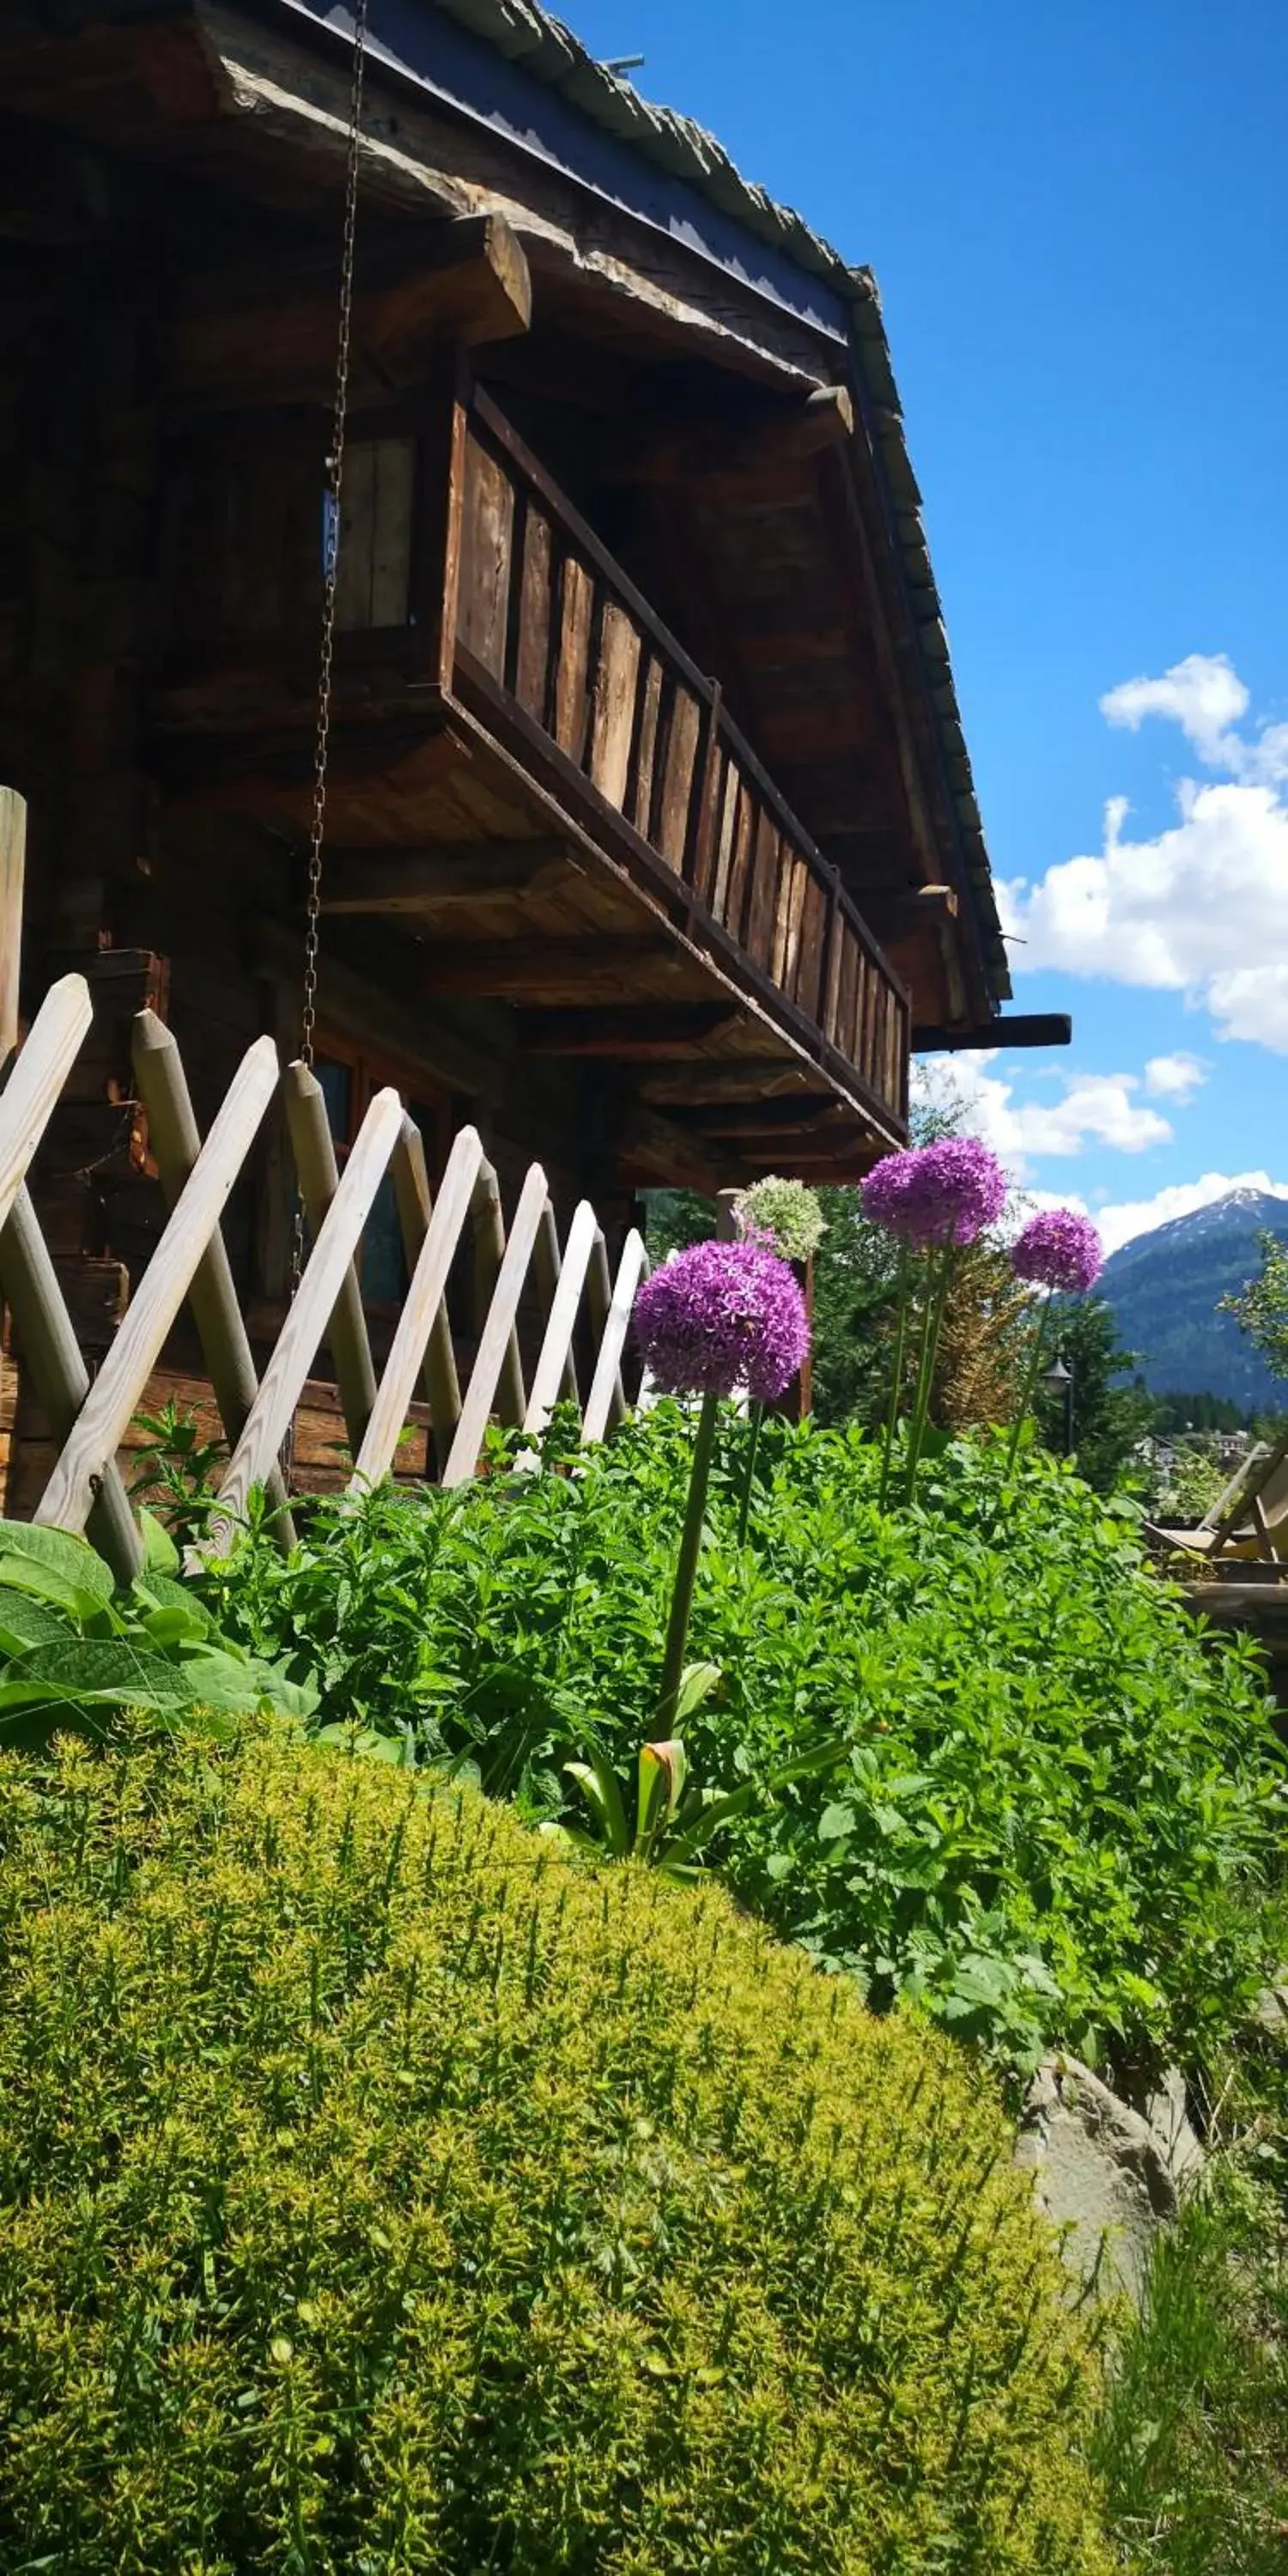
1078,220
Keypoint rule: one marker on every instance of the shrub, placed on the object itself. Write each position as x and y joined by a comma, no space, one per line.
384,2192
1052,1786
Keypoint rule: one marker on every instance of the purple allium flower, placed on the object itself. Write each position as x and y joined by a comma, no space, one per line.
885,1191
1059,1249
956,1189
722,1315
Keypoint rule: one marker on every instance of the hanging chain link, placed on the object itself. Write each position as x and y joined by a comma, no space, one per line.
335,488
326,653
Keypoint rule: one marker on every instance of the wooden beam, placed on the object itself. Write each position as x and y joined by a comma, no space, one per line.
737,1077
895,912
530,968
660,1151
420,880
1021,1029
632,1034
13,845
805,1111
263,331
728,448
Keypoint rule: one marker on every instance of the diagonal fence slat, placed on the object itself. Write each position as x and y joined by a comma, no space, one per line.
606,1401
464,1221
498,1332
30,1096
297,1344
175,1142
415,1204
421,1310
489,1253
105,1415
319,1179
548,1266
550,1378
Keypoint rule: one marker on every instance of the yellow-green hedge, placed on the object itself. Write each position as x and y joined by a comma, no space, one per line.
381,2191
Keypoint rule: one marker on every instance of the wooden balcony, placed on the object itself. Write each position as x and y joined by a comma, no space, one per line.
529,769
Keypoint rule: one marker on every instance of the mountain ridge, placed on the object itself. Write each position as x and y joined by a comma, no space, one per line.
1164,1287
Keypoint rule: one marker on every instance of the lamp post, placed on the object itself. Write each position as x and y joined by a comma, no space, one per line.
1058,1381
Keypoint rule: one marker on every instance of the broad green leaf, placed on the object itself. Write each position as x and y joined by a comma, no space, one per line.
835,1822
25,1621
54,1566
697,1681
160,1555
101,1670
598,1784
182,1624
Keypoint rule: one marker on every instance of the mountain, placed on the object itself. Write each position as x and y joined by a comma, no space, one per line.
1164,1286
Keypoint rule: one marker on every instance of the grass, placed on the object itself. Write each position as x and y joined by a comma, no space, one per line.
1193,2443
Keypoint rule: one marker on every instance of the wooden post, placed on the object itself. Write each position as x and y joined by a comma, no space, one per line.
175,1141
415,1211
314,1151
489,1257
51,1352
13,845
599,1299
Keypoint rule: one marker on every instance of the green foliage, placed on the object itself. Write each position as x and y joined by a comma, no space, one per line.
1193,2443
383,2193
1261,1308
674,1820
1050,1783
1200,1412
674,1219
1108,1417
73,1650
175,1468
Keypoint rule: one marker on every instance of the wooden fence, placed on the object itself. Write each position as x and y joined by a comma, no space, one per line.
89,1420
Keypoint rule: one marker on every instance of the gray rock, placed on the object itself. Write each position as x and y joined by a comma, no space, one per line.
1108,2176
1272,2006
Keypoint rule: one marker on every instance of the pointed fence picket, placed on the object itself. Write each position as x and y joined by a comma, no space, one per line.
572,1286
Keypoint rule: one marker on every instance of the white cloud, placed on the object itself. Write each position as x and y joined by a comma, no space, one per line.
1174,1077
1185,912
1120,1222
1200,909
1095,1109
1205,696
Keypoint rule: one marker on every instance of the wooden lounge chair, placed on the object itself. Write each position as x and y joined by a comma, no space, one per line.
1250,1519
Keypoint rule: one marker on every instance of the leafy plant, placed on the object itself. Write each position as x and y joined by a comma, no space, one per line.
673,1822
73,1649
1261,1307
382,2193
175,1467
1052,1783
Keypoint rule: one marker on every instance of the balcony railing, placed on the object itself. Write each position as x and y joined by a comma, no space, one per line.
556,646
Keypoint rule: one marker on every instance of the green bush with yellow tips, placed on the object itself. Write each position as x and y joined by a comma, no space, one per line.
381,2190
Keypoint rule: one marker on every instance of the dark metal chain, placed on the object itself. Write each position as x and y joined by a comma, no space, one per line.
335,488
330,571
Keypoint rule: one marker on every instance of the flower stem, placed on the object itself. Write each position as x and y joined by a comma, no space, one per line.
677,1631
753,1443
1030,1384
896,1378
937,1287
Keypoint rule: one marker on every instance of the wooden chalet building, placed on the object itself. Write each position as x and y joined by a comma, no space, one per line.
651,842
